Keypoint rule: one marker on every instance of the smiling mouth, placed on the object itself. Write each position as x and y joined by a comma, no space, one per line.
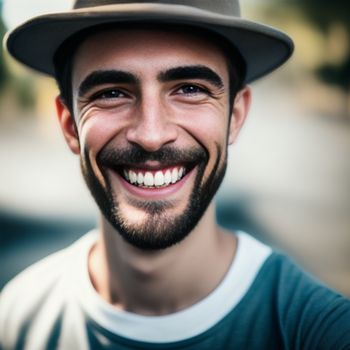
155,178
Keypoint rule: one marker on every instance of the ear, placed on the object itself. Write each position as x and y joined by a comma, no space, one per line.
240,111
68,126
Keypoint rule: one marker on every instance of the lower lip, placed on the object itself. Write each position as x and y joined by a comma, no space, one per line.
155,193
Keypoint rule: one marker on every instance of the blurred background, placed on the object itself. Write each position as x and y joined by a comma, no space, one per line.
288,180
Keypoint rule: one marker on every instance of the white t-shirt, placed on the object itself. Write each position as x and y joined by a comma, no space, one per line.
263,302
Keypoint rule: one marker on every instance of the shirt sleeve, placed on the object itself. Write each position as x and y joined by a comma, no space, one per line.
312,315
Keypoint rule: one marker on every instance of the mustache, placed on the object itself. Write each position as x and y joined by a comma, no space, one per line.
135,154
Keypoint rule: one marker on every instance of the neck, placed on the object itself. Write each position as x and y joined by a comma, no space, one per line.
163,281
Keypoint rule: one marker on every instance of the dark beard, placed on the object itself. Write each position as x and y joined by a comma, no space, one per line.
159,231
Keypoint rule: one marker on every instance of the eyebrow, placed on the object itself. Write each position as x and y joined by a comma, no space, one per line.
191,72
105,77
101,77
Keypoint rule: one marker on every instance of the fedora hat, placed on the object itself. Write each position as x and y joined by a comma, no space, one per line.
262,48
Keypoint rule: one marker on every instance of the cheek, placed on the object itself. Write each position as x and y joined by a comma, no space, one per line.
209,130
94,134
207,123
97,131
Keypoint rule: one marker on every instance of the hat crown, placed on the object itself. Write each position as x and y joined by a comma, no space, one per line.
225,7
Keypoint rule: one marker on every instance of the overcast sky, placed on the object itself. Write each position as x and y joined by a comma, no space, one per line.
17,11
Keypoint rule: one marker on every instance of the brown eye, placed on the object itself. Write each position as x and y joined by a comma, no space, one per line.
109,94
191,89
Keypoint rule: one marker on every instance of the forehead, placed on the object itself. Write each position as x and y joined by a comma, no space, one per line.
146,49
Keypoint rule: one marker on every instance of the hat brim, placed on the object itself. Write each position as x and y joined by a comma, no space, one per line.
35,42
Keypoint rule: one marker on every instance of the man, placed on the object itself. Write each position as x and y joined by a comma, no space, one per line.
151,95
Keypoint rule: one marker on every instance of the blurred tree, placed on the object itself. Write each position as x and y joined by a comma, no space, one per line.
332,20
326,14
21,87
3,72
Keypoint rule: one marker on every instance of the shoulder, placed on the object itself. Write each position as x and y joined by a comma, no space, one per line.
293,285
290,303
34,288
291,280
308,311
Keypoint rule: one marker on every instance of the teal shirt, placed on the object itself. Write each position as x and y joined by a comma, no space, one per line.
281,308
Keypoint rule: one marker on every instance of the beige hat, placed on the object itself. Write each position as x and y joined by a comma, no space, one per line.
263,48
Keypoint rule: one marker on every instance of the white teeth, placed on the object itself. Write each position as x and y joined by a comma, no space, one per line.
159,178
167,177
132,176
148,179
181,172
140,178
174,176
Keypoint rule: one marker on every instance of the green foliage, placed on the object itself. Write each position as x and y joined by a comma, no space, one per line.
22,86
336,75
3,72
323,14
25,93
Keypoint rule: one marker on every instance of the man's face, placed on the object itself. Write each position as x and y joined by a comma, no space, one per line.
152,114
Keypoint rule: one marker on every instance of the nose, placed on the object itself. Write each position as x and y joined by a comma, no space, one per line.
152,127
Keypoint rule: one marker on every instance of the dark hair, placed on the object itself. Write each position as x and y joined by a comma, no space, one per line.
63,59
